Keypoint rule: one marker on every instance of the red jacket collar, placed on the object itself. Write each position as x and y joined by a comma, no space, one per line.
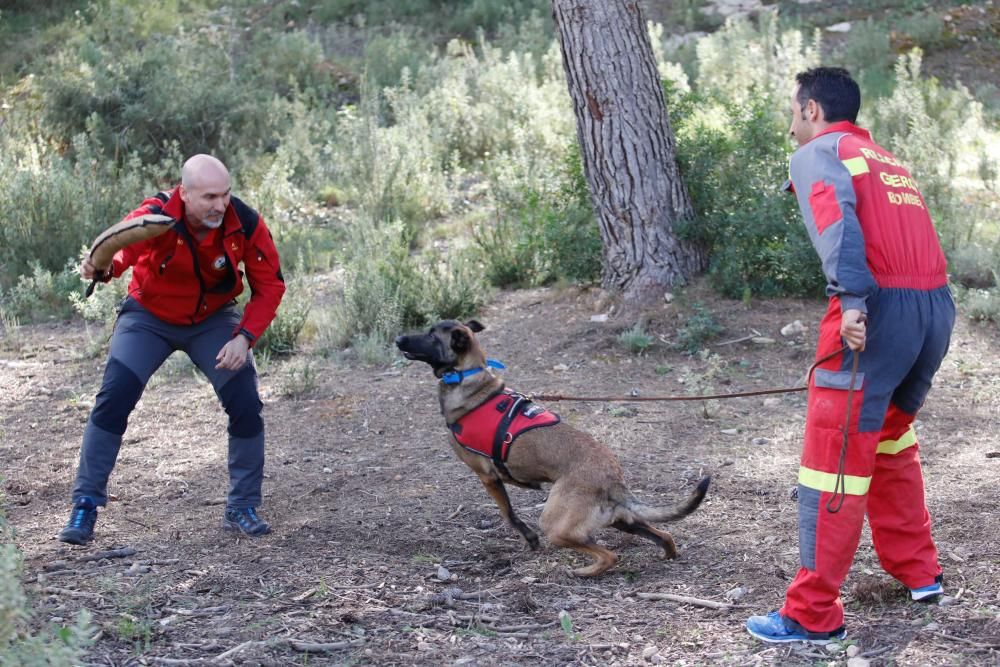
175,209
845,126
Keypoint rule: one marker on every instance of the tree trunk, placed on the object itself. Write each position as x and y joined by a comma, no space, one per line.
627,146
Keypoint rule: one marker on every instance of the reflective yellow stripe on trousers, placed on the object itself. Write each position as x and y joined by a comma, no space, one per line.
854,485
908,439
827,481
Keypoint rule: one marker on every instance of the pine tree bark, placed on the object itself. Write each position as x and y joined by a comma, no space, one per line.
627,145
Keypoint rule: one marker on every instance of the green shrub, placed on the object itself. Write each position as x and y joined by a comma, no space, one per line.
982,304
867,53
747,60
102,304
698,329
388,290
282,335
635,340
53,205
442,16
18,646
541,237
43,295
974,266
733,159
941,135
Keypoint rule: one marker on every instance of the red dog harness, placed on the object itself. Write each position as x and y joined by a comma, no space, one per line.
490,429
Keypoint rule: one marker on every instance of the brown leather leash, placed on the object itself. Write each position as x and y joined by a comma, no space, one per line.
840,485
703,397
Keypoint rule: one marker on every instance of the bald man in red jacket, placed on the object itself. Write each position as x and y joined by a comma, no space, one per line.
183,297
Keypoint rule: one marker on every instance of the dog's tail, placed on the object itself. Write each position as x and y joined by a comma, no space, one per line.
663,514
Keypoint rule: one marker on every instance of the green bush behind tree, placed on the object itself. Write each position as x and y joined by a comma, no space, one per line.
332,119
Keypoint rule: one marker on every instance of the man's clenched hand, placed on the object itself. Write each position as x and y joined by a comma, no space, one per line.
854,329
233,355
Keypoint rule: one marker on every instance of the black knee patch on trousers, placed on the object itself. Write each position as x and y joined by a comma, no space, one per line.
116,400
242,403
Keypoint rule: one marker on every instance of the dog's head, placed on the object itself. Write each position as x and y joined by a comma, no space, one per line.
449,345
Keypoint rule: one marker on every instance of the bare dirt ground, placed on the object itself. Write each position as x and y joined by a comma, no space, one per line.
387,551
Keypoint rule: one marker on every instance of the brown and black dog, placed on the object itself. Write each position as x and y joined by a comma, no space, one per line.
588,488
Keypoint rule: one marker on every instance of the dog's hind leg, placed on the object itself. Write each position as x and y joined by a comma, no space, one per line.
662,538
568,520
498,492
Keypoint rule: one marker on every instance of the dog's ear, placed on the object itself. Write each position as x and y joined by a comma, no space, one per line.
460,341
475,326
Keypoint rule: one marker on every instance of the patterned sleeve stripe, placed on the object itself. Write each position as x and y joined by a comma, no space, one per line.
856,165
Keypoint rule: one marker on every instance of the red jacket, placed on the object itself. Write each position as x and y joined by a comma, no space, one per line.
865,216
165,280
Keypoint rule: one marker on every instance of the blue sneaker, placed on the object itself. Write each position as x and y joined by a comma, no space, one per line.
775,628
928,593
245,520
80,528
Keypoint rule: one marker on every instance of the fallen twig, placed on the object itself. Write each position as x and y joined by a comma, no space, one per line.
203,611
754,334
967,642
312,647
71,593
875,652
114,553
456,512
684,599
516,628
236,649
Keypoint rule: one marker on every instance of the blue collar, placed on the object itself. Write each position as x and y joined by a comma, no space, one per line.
456,377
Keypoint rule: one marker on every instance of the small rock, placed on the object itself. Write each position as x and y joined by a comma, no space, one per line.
327,470
947,601
603,317
762,340
858,661
443,574
932,626
793,328
649,652
772,402
560,367
853,650
736,593
843,26
761,441
730,431
668,297
656,658
832,647
397,478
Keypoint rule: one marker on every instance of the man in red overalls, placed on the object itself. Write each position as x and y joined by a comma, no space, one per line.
888,299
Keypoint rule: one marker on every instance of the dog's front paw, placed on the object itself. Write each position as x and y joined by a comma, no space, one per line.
532,539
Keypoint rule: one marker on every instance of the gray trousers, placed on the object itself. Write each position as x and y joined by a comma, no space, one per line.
140,344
